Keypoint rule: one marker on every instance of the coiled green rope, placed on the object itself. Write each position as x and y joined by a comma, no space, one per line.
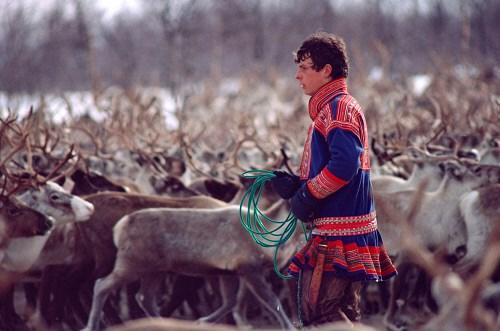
265,231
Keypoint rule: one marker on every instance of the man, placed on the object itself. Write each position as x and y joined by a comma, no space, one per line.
333,191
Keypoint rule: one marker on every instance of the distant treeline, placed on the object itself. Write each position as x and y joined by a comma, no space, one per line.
69,46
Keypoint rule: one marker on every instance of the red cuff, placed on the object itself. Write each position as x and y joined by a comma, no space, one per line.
324,184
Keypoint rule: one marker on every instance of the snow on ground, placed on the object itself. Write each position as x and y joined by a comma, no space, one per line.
261,100
63,107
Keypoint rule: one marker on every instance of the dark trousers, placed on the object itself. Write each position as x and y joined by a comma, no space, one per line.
338,300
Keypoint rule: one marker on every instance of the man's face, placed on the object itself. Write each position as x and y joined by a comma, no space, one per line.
310,79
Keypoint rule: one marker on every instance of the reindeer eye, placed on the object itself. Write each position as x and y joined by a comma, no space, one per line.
54,197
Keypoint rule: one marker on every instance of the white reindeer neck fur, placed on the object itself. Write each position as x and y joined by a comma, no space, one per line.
21,253
477,230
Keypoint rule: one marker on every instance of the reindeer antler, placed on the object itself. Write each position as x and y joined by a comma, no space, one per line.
52,174
7,124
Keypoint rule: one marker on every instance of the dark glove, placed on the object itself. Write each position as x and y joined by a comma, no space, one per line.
303,204
285,184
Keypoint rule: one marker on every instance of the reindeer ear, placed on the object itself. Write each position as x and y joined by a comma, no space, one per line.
77,175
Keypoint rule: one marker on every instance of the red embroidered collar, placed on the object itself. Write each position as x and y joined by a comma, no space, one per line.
326,93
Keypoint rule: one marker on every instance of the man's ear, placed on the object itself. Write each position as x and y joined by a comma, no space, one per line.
327,70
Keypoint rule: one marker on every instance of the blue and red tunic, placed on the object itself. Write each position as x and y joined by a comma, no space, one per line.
335,168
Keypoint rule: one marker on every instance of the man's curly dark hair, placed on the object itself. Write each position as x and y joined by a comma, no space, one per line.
325,48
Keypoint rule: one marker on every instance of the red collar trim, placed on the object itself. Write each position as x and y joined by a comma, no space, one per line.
326,93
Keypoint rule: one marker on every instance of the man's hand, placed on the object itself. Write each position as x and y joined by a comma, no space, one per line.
303,204
285,184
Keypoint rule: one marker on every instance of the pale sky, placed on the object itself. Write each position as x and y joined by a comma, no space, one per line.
108,7
112,7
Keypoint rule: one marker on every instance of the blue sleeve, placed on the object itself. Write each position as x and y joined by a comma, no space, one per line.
344,161
345,151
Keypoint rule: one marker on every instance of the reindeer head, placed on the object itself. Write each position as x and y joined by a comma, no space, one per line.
17,220
92,182
486,174
39,161
472,174
47,197
51,199
171,186
171,165
99,164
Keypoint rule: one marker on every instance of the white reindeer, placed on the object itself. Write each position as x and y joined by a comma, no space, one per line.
437,224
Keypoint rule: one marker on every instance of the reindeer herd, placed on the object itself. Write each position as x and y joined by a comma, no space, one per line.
107,221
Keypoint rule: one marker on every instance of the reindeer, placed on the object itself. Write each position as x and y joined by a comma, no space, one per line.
146,241
163,324
437,226
432,222
425,167
38,194
460,308
99,252
47,198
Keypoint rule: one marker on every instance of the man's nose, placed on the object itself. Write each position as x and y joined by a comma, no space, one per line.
297,75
